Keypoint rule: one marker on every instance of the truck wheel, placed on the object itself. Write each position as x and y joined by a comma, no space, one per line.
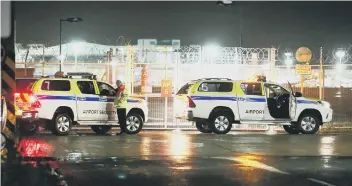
291,129
134,123
309,124
27,128
62,124
101,129
221,123
203,127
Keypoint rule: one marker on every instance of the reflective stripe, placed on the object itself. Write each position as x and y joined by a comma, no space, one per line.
124,99
21,103
306,102
247,99
109,99
217,98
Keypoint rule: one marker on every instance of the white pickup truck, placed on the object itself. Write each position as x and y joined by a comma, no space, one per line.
84,101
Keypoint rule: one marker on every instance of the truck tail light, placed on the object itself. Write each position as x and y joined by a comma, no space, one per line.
35,103
191,104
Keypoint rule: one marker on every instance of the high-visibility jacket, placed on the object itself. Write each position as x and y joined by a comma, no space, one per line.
121,97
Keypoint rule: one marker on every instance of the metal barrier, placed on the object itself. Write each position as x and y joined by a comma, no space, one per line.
182,64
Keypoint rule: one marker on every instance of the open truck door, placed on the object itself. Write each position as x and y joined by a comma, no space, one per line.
293,103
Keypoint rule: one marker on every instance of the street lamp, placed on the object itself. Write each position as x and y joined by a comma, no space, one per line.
77,47
224,3
212,51
340,54
288,59
229,3
71,20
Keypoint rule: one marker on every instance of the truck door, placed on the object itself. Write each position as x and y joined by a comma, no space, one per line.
251,100
88,102
292,103
107,96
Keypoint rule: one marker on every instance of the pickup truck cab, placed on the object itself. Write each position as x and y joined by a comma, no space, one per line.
85,101
215,104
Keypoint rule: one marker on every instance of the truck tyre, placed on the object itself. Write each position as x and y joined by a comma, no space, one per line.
309,123
27,128
101,129
134,123
221,122
62,124
291,129
203,127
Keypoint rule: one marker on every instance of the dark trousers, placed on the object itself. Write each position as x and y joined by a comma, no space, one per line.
121,115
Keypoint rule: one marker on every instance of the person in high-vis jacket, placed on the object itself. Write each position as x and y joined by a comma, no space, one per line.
120,103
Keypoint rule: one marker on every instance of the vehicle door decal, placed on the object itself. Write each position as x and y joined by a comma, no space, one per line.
112,98
249,99
306,102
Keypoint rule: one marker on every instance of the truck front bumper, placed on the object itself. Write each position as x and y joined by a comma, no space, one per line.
327,117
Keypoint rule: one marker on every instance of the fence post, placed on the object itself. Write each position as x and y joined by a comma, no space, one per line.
165,105
321,75
43,68
129,70
272,64
175,83
302,83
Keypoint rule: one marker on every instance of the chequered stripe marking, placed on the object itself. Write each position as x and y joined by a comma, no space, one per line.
9,85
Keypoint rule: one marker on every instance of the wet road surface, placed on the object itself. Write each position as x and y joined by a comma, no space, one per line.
190,158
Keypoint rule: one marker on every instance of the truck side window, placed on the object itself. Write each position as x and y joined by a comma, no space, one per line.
86,87
215,87
252,88
106,90
276,90
184,89
56,85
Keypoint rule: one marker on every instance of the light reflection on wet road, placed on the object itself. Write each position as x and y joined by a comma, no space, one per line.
189,158
151,143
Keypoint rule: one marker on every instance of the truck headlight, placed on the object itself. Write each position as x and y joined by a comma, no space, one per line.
3,141
325,104
144,103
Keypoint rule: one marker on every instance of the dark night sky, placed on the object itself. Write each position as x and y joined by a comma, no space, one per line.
287,24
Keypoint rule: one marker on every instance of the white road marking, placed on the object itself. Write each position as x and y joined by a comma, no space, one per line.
253,163
320,182
260,165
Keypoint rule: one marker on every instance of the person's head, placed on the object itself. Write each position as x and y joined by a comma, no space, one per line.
118,83
59,74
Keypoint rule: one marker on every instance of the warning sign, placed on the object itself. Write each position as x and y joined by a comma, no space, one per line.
166,88
303,55
303,69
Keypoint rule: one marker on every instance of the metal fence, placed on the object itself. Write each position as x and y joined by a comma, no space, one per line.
193,62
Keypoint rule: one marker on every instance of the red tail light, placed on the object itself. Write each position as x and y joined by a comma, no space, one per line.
32,99
191,104
35,103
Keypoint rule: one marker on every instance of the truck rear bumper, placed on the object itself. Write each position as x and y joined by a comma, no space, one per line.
28,116
188,115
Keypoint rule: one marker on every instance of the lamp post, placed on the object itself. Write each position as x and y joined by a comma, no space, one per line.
71,20
229,3
288,59
340,54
